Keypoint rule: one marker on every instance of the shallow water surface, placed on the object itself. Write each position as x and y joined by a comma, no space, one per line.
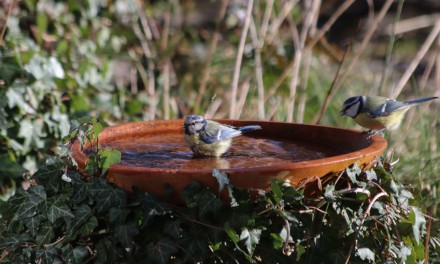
170,151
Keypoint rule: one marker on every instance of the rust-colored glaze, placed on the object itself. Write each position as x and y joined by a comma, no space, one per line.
351,144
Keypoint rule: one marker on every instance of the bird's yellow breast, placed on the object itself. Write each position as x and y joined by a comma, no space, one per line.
390,122
199,147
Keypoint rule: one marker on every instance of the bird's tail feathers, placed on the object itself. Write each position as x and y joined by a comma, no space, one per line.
246,129
421,100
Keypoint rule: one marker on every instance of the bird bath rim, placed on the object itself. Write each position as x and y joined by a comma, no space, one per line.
363,152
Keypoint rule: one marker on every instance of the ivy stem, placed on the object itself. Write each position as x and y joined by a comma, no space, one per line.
349,254
200,223
56,242
286,241
428,232
371,205
375,198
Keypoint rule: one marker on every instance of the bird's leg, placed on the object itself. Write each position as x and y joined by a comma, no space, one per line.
368,132
371,133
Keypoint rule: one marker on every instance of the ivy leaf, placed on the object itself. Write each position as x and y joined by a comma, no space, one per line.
419,250
106,196
379,206
34,202
365,254
418,223
291,195
33,223
329,193
46,255
300,250
81,137
16,98
161,251
15,202
222,178
173,229
216,238
97,128
231,233
10,69
276,190
288,215
76,255
45,234
151,208
105,250
277,240
12,242
109,157
353,172
189,193
47,173
195,246
285,236
208,203
238,196
9,167
88,228
54,161
371,175
79,103
125,234
92,166
81,189
394,187
251,239
82,215
58,208
404,253
118,215
403,199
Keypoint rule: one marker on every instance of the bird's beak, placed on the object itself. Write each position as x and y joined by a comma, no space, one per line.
341,113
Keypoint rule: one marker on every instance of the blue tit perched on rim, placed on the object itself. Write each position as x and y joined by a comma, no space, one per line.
210,138
378,113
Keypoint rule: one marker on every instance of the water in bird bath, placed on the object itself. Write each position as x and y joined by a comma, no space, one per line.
170,151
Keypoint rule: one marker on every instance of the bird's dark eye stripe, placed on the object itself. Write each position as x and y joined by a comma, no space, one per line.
352,100
192,123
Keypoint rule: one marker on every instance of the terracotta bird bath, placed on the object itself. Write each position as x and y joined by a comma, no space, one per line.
154,154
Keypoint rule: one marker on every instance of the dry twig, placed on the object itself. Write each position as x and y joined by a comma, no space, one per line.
239,58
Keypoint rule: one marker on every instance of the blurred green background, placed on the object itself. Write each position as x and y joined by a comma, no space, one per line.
292,61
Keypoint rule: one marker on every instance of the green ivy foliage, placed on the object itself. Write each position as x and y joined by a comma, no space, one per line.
359,217
32,115
55,64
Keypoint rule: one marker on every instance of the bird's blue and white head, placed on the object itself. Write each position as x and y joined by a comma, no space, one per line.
194,124
353,106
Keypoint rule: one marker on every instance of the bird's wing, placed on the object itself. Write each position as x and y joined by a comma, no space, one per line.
224,133
228,132
388,107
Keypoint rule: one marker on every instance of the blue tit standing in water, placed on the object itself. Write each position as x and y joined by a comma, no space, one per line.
210,138
378,113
